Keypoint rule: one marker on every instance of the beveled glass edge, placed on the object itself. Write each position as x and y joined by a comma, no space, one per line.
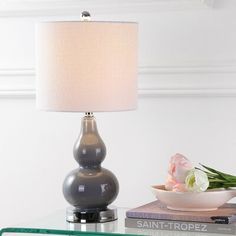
57,232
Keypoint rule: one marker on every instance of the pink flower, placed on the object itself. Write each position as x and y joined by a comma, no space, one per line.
179,167
180,188
172,185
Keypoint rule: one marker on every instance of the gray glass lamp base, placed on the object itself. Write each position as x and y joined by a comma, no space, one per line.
75,215
90,188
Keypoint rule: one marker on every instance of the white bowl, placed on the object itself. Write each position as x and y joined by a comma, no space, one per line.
190,201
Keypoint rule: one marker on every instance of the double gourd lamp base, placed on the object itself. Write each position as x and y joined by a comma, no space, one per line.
90,188
87,66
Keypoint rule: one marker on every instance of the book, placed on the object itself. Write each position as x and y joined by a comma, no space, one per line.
156,210
148,227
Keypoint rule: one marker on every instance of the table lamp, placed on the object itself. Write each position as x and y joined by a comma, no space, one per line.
87,66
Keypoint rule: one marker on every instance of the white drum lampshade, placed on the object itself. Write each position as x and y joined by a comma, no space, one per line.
86,66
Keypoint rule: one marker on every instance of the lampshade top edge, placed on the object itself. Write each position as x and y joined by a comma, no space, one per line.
89,22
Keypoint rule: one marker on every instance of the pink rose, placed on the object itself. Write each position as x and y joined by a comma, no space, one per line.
180,188
179,167
172,185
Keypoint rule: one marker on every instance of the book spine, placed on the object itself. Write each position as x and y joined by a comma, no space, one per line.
158,216
180,226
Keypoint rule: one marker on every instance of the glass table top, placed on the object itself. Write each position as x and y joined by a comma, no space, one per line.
56,224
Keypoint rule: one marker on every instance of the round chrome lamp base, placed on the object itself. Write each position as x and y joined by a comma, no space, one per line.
75,215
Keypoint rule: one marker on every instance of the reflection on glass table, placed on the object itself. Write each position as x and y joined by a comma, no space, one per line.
56,224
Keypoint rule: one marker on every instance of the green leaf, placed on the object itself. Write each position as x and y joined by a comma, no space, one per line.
216,180
215,185
221,174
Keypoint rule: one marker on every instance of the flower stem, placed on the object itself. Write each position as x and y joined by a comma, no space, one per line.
218,179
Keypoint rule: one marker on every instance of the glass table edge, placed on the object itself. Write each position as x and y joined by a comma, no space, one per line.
56,232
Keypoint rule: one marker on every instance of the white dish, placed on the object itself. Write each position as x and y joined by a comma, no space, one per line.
191,201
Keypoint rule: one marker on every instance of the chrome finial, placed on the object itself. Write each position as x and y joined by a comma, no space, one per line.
85,16
89,114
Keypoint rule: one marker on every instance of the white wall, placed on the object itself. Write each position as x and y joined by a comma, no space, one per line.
187,97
